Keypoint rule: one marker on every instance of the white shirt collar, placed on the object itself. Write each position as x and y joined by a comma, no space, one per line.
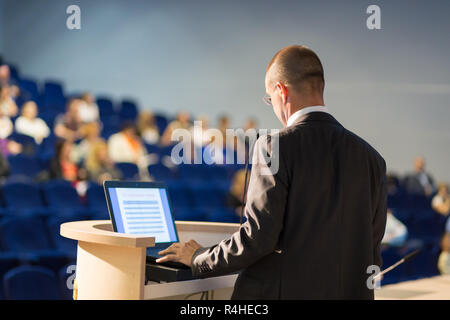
296,115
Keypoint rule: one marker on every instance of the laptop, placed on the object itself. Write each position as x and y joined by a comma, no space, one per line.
138,207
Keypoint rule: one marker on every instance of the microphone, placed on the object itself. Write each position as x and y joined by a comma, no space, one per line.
395,265
244,194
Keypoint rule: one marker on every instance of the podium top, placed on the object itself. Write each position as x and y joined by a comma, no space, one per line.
101,231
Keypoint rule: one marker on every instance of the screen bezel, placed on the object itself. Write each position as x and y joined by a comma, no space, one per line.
136,184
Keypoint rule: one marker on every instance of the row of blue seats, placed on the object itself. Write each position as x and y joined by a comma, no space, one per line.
26,282
415,211
52,100
60,195
31,166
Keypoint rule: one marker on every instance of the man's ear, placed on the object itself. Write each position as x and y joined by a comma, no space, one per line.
282,91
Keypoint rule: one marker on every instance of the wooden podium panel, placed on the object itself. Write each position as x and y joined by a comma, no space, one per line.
111,265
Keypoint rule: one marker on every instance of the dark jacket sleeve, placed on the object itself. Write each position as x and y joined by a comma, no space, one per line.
379,218
264,210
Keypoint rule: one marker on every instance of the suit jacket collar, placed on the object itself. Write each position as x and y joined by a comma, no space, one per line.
315,116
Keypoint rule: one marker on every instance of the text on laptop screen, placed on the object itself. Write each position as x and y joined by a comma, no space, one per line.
143,211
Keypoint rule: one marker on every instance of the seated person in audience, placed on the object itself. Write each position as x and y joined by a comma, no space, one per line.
147,127
419,182
88,109
395,233
8,106
200,135
5,81
234,199
9,147
6,126
223,124
126,146
99,165
62,165
91,134
68,125
441,201
29,124
444,258
182,122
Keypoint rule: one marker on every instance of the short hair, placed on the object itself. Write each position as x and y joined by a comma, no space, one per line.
297,66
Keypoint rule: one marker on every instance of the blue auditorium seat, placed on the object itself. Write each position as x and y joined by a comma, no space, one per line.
128,110
27,236
62,244
8,260
161,122
14,72
208,196
152,148
223,215
53,96
189,214
62,198
24,165
29,89
46,150
180,195
23,198
193,172
160,172
390,256
31,283
105,108
96,201
129,170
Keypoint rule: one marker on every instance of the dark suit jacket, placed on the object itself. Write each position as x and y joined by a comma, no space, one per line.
314,226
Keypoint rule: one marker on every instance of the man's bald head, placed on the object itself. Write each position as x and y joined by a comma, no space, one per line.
297,67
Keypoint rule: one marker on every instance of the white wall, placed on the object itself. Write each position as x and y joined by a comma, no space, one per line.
390,86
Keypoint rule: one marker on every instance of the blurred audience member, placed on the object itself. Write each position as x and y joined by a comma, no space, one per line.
441,201
182,122
9,147
147,128
234,200
91,134
99,165
8,106
29,124
88,109
62,165
200,135
6,126
68,125
395,233
444,258
223,124
5,81
126,146
419,182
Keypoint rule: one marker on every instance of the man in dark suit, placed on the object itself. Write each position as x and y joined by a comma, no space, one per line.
420,182
315,225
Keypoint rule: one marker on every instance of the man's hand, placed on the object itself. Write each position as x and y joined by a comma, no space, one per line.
179,252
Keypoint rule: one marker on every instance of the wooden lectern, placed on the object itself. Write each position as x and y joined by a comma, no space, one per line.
111,265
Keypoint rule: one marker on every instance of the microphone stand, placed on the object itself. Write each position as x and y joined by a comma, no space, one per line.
395,265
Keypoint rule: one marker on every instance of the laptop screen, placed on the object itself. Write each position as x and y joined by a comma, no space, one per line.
142,210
